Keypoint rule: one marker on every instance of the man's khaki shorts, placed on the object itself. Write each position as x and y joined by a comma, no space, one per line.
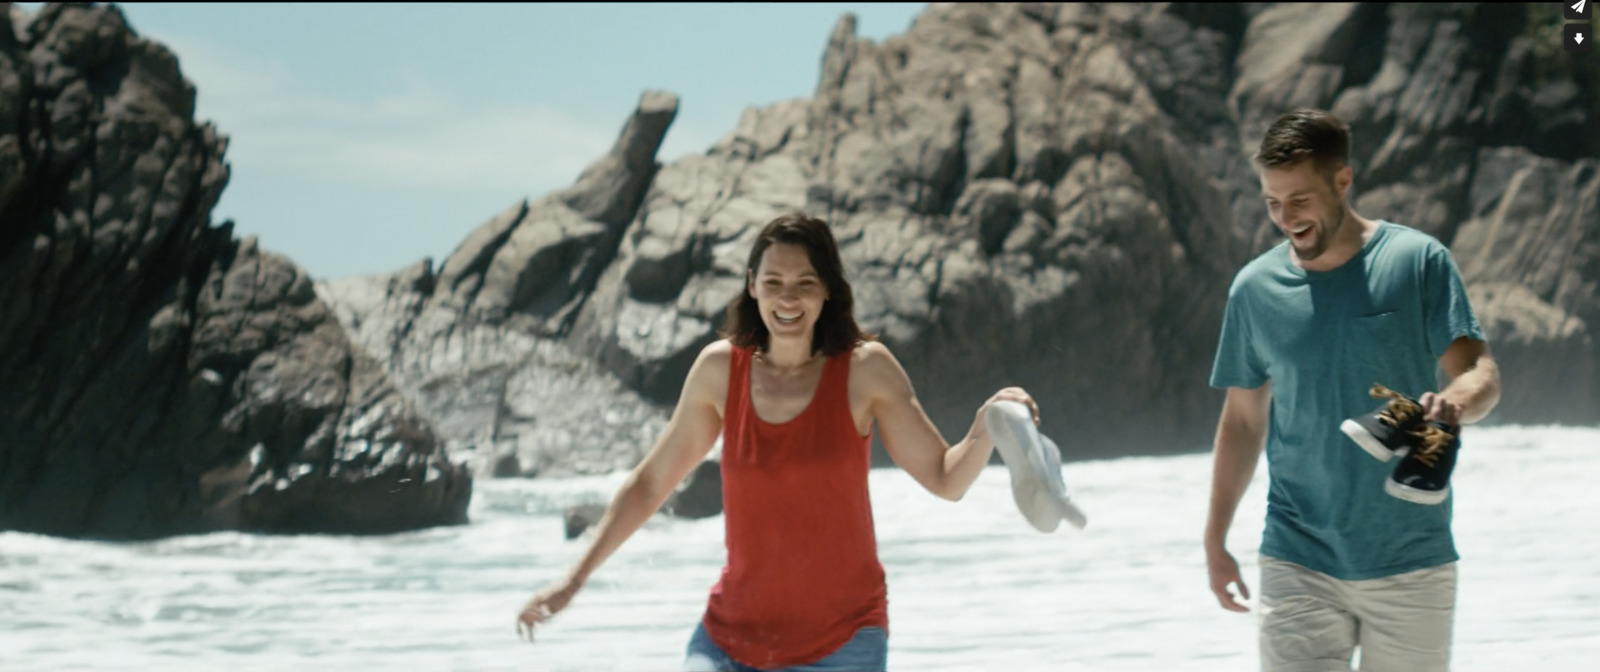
1312,622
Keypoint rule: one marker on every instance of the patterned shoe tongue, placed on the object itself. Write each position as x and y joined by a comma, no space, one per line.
1400,411
1433,439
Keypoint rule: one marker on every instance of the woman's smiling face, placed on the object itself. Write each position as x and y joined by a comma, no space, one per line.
788,291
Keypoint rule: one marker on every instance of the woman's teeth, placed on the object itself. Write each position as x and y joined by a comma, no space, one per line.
787,318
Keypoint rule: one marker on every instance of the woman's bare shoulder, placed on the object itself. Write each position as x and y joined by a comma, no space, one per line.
871,362
709,374
720,349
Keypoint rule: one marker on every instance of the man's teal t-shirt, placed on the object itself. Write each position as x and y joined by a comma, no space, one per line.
1323,339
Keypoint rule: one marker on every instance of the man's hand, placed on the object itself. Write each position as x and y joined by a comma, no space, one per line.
1224,572
1441,409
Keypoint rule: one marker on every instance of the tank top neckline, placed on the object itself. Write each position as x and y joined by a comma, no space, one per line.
816,393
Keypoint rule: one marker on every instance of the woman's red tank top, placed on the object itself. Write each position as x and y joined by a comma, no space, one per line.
803,573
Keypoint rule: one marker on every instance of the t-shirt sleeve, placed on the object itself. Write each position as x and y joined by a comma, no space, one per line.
1446,313
1237,364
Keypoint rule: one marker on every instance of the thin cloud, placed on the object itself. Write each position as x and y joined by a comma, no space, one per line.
416,137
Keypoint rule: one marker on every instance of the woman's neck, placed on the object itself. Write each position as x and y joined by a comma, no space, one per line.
788,353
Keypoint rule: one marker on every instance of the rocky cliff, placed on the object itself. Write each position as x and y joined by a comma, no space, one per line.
1053,196
158,376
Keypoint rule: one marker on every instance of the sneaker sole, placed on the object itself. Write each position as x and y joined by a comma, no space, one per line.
1415,495
1069,509
1021,449
1366,440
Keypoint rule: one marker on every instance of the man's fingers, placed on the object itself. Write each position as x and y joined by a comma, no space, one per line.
1436,408
1225,599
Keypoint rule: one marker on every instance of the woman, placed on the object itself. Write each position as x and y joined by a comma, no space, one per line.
795,389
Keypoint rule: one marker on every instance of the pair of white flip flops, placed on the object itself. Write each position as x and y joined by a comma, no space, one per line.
1035,466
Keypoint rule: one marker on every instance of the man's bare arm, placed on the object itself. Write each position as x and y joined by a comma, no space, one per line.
1474,387
1241,433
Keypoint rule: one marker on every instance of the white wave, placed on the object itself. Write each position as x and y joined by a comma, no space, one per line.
971,586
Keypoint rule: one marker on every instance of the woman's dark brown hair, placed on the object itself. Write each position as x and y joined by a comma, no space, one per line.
836,329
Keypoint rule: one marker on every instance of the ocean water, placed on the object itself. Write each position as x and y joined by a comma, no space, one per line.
971,586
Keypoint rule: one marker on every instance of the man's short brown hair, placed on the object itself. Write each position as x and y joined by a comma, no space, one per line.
1305,134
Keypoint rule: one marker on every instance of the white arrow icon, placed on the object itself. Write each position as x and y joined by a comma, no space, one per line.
1578,37
1579,7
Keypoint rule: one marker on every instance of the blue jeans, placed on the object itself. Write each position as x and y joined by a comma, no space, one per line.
868,651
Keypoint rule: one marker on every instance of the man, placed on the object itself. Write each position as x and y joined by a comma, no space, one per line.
1311,326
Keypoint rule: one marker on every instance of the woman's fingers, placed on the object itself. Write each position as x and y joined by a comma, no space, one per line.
1020,396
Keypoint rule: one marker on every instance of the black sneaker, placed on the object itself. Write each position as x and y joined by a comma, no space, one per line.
1385,433
1423,476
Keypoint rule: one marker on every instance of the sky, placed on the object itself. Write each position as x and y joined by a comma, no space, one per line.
365,137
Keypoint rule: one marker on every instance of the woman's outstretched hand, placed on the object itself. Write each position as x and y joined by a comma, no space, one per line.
544,605
1016,394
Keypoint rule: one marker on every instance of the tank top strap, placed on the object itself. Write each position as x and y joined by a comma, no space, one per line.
834,391
738,381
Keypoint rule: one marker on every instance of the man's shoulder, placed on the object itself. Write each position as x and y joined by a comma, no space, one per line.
1406,240
1260,269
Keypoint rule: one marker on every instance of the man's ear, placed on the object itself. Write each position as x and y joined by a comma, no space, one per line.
1342,180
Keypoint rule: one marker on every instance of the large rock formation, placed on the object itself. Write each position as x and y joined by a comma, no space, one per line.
1057,196
1053,196
1475,127
477,341
158,376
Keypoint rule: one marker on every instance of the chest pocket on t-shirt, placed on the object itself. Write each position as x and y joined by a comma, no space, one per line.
1377,343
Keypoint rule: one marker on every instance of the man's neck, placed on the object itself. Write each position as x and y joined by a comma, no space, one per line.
1353,234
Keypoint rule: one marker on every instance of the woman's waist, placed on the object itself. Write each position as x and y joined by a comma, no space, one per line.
802,597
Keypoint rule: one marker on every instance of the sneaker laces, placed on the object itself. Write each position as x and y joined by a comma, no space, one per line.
1432,444
1400,410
